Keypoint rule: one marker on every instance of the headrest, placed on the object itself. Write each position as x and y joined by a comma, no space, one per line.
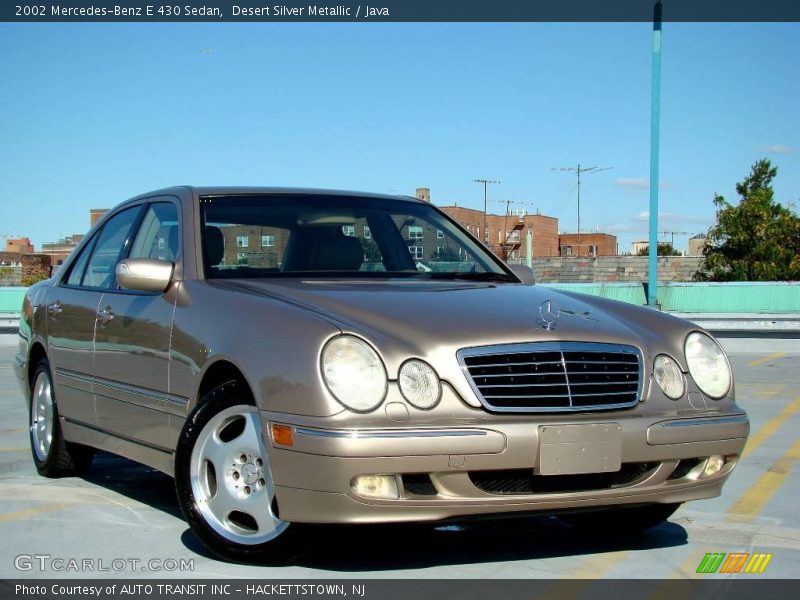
215,245
339,253
172,242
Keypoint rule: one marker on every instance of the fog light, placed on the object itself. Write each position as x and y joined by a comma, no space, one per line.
376,486
714,465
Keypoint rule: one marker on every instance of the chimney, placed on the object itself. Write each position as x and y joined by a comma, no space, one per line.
424,194
95,214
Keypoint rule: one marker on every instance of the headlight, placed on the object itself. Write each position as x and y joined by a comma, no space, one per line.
668,376
708,365
420,384
354,373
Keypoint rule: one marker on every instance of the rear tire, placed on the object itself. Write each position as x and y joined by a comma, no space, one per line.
224,483
53,456
621,520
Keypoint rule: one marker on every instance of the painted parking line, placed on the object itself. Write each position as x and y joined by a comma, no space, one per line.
766,359
770,427
752,502
32,512
769,391
18,449
687,570
577,581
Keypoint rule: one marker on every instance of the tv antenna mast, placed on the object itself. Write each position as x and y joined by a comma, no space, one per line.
485,183
578,170
672,235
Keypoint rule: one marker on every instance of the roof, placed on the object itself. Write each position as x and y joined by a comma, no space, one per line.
257,190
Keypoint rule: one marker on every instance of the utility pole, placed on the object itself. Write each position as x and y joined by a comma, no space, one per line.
485,183
655,121
578,170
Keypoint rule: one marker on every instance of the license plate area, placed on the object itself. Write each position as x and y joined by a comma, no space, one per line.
577,449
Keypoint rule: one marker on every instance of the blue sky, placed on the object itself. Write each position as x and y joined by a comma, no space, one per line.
95,113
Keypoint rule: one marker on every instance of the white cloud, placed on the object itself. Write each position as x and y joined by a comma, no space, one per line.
665,217
637,183
633,183
776,149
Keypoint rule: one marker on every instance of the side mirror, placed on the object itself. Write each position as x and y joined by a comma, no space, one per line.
144,274
524,273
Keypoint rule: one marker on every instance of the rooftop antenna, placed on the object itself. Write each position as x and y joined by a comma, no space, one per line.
578,170
672,235
485,183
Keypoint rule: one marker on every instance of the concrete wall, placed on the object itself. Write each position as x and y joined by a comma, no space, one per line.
610,269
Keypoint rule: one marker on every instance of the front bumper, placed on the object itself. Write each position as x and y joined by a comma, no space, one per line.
450,472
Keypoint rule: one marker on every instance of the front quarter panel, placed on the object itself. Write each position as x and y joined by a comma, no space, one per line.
32,329
275,345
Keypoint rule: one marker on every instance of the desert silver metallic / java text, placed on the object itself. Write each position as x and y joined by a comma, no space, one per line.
231,479
42,413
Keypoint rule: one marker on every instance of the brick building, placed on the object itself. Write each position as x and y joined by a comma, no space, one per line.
587,244
19,246
505,234
58,251
95,214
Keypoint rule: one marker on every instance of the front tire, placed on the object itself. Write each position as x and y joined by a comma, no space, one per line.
621,521
224,483
53,456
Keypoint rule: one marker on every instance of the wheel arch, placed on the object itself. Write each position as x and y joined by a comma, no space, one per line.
217,373
36,354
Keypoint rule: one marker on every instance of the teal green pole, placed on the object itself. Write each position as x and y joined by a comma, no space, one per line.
528,249
655,117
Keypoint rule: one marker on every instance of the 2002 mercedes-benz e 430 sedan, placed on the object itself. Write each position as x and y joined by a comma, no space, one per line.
302,356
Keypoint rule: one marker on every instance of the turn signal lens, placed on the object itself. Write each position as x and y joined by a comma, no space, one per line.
282,435
668,375
420,384
376,486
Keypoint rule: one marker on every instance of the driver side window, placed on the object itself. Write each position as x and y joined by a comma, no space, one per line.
158,236
108,249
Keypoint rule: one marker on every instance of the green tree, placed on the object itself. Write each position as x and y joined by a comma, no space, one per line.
664,249
445,254
756,239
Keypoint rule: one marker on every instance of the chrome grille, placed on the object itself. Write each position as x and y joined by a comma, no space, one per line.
554,376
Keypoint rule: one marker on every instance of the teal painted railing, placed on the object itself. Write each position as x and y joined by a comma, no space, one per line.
632,293
11,299
732,297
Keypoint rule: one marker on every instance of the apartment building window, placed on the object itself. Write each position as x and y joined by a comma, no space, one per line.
439,234
242,241
416,251
349,230
367,233
241,258
267,241
415,232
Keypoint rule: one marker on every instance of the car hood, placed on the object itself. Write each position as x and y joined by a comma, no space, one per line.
428,314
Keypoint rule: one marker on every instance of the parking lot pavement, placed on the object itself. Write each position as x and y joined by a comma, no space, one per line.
127,512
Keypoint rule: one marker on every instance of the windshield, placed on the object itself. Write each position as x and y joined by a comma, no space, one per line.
338,236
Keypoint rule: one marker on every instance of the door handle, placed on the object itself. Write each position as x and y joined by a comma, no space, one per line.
55,309
105,315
